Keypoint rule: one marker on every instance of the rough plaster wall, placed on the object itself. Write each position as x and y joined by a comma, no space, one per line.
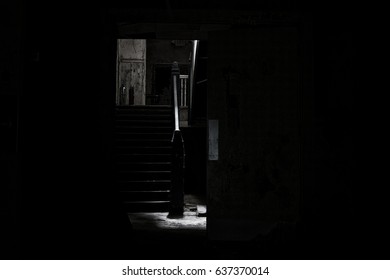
132,49
163,52
131,59
253,92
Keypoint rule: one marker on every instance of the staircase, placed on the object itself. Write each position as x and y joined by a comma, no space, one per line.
143,157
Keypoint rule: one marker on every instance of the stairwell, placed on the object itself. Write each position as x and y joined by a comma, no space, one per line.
143,157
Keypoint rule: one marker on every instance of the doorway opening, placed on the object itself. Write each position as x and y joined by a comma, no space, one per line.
144,131
161,82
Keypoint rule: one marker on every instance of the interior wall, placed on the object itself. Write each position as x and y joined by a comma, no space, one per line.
11,76
64,171
131,71
253,93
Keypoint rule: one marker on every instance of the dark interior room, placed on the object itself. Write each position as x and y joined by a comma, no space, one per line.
190,130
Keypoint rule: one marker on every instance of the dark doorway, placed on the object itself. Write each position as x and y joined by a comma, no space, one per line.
143,132
162,79
144,154
161,84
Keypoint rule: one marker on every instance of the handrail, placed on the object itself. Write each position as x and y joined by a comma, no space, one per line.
178,154
176,103
192,76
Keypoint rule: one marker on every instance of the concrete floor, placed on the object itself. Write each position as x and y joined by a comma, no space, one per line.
193,222
155,236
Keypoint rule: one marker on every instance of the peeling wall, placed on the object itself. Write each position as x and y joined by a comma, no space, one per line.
131,71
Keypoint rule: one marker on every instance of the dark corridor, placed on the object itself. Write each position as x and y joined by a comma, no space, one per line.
162,83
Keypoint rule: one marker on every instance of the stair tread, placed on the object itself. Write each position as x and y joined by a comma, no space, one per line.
143,106
144,143
145,191
146,121
147,162
133,186
138,154
141,191
143,129
147,201
144,133
145,181
148,127
143,151
137,140
145,147
146,171
142,114
151,154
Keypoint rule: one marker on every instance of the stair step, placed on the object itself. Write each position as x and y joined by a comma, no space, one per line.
146,206
144,107
162,195
152,135
143,129
138,166
144,185
143,122
143,116
137,157
143,142
144,150
134,112
145,175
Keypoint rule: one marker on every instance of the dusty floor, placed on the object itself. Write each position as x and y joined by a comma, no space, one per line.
193,221
155,236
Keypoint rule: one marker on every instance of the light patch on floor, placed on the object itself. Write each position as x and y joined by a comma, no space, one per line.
194,218
161,221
